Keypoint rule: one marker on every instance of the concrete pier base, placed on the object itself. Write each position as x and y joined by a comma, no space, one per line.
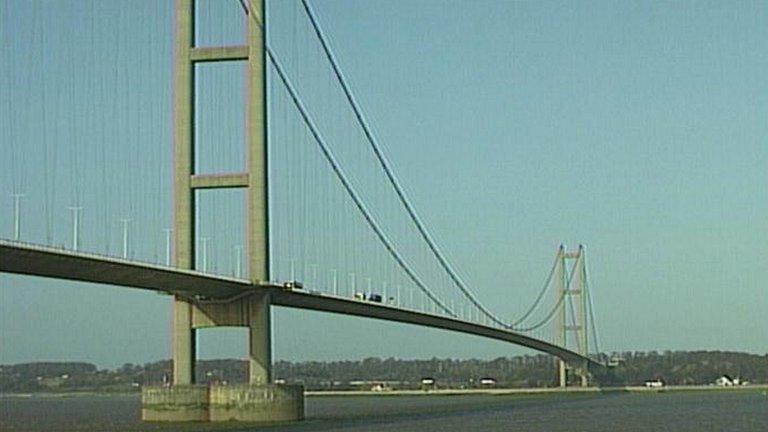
246,403
175,403
250,403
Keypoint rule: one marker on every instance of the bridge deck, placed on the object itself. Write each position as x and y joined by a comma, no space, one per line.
41,261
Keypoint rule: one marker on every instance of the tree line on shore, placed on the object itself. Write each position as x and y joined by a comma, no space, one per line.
630,368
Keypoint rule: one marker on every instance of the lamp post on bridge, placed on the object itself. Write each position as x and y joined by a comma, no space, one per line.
75,227
168,250
238,261
384,292
17,215
125,222
335,282
204,254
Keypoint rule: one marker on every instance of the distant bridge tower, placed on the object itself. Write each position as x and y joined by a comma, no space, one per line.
252,312
571,302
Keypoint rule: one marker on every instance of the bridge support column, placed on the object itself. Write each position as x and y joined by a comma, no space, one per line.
256,401
183,335
562,373
183,344
252,312
584,375
259,341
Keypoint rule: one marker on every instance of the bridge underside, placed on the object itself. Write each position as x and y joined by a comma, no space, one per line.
205,288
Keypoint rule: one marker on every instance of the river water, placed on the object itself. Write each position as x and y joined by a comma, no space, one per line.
734,411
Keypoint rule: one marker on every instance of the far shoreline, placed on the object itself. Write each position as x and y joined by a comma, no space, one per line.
440,392
536,391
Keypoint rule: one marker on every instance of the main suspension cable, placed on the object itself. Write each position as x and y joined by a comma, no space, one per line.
592,323
349,188
386,167
551,313
540,295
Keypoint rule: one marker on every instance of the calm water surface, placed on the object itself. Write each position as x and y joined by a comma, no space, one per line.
743,411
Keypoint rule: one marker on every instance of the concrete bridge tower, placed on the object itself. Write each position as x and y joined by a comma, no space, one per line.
260,400
570,295
255,316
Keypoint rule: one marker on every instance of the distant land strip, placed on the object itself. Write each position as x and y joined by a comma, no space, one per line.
530,373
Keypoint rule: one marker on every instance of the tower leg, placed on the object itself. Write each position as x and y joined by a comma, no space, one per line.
562,373
183,345
183,336
259,341
584,374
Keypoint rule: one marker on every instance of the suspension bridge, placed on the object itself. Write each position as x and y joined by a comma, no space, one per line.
282,194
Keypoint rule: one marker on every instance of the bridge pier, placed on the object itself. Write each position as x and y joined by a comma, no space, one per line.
253,312
584,376
259,342
199,403
582,371
562,373
183,344
256,401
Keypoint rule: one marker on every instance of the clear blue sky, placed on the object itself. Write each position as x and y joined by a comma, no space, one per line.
637,128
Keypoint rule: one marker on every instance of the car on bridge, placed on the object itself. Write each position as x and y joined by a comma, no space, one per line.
373,297
292,285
